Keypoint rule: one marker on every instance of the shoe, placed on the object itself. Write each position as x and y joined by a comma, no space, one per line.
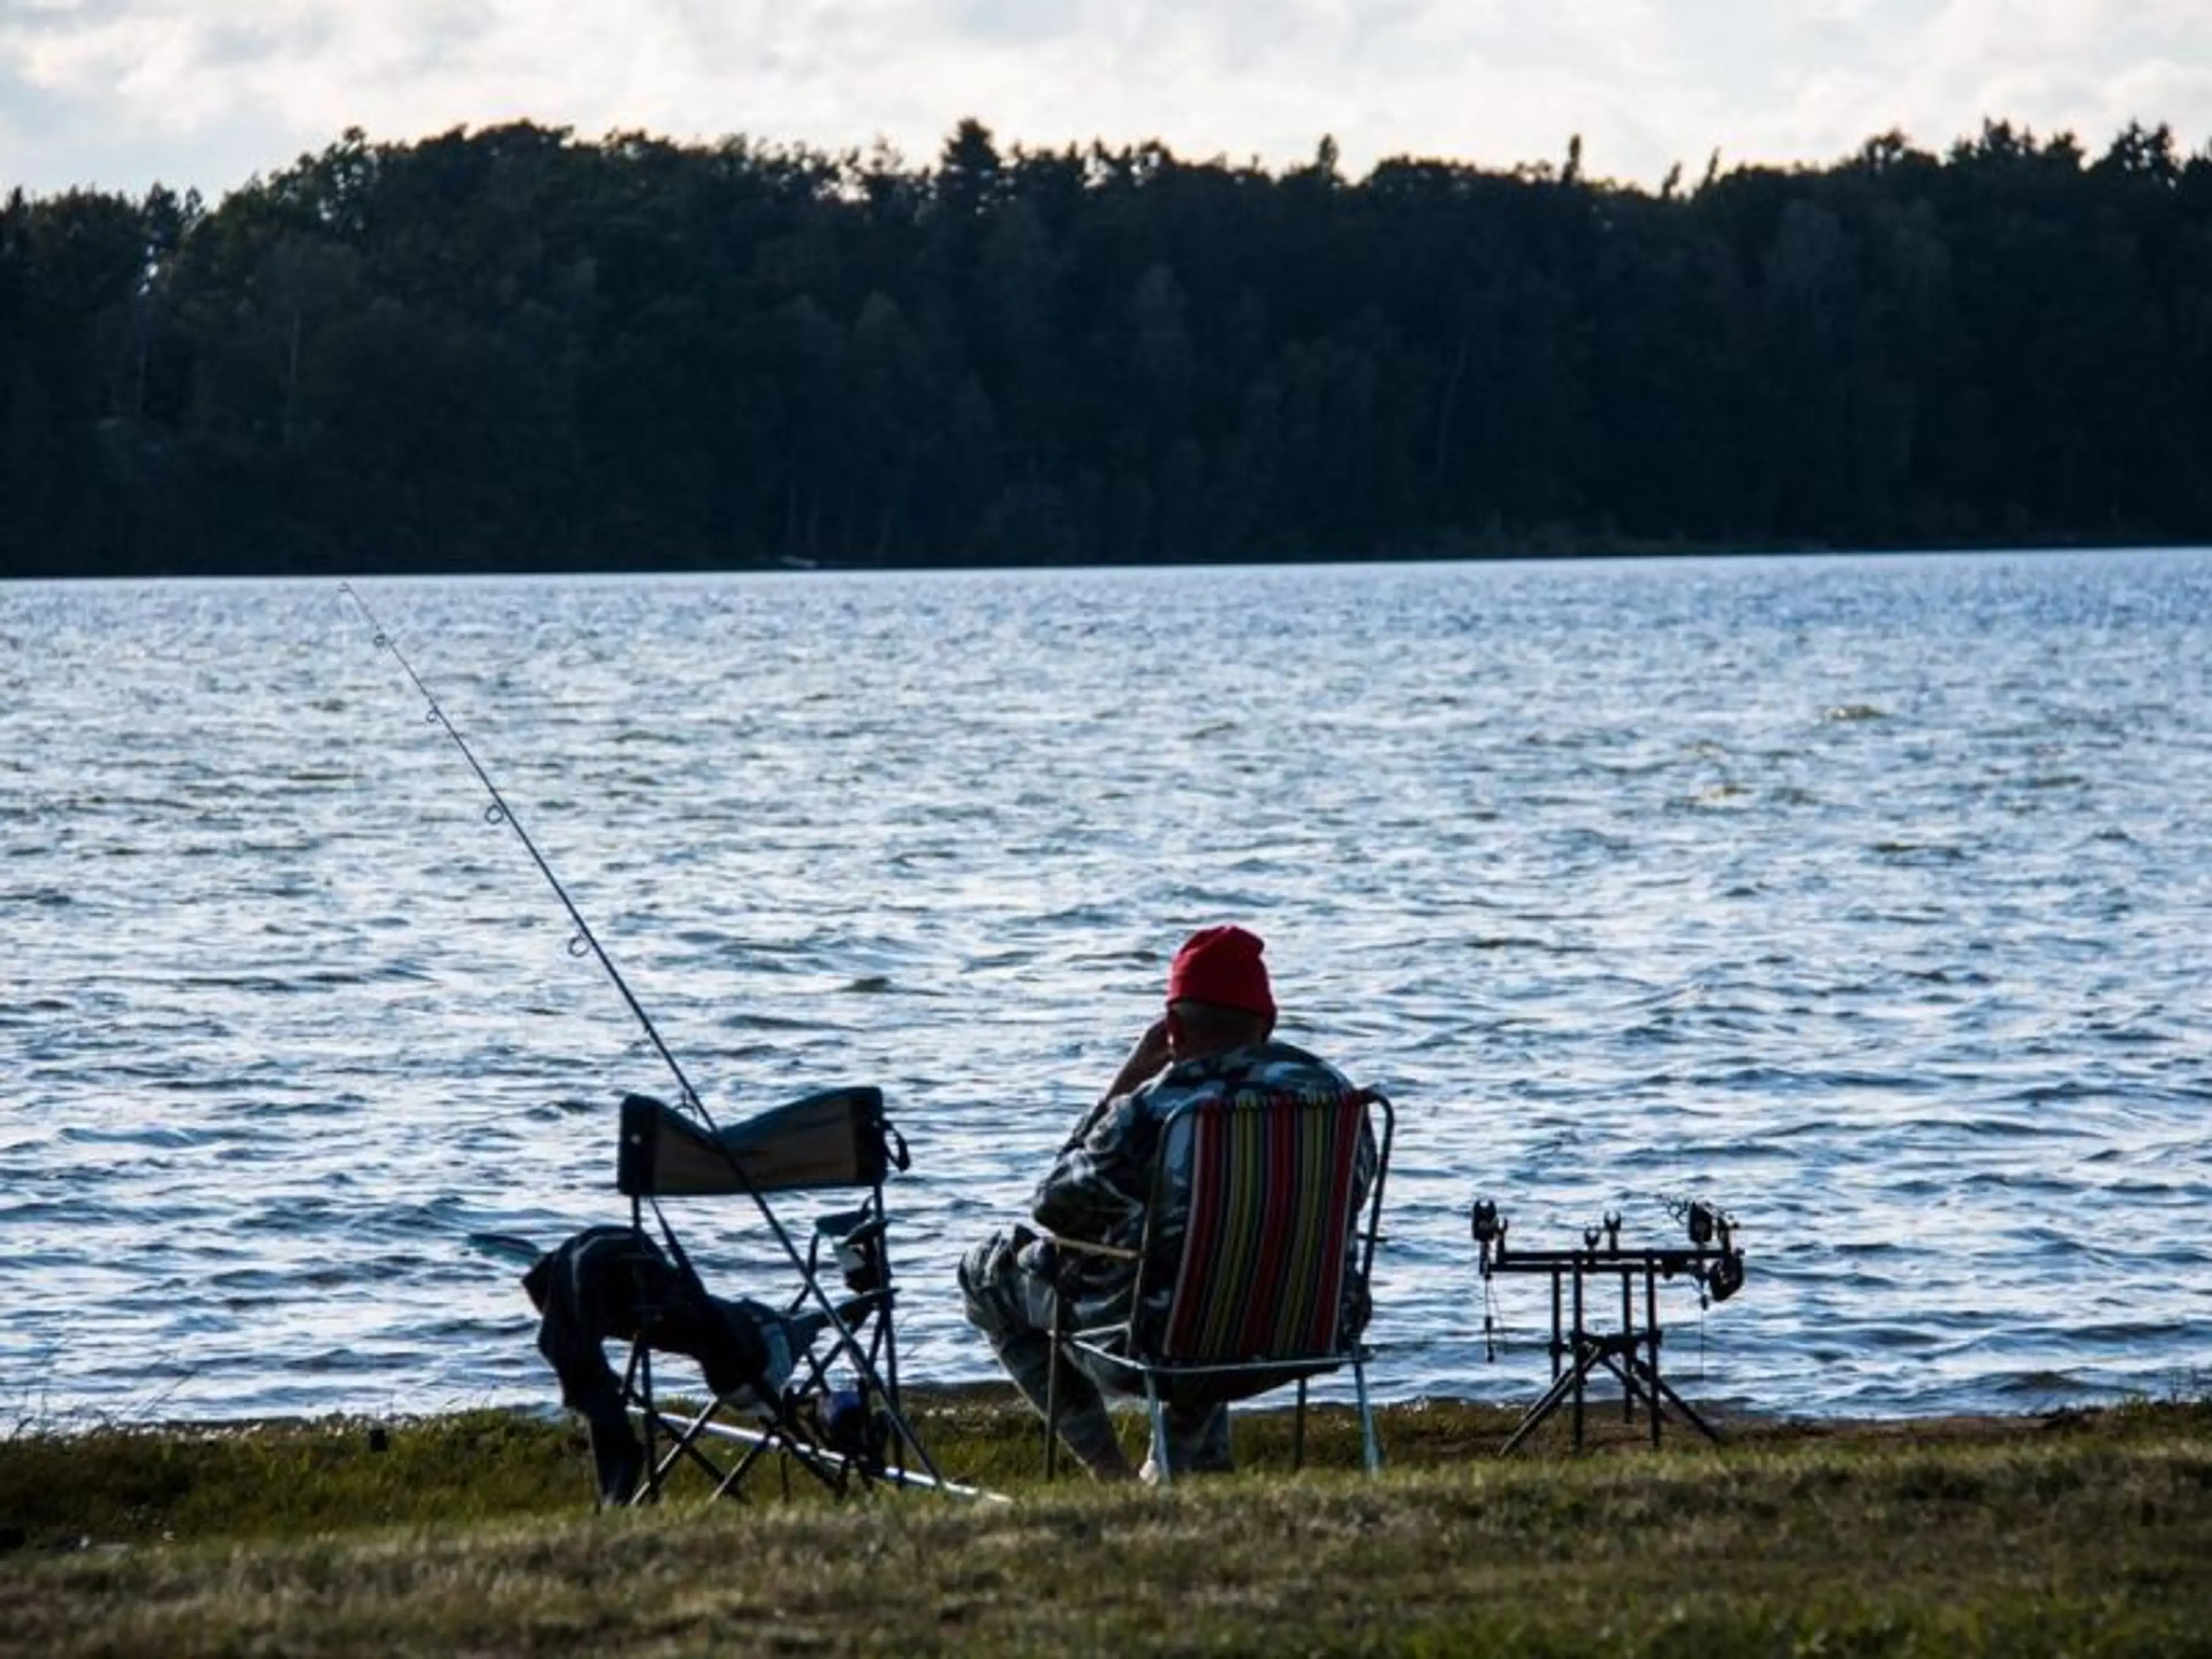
1198,1444
1149,1472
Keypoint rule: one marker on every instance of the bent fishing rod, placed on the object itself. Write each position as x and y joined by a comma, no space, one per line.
585,942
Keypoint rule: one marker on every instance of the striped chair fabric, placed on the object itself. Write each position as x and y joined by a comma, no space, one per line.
1273,1206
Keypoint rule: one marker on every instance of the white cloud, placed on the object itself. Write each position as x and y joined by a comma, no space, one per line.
120,93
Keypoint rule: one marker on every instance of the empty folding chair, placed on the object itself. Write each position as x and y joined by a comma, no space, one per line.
822,1388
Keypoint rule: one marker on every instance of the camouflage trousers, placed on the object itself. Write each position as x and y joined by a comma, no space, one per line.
1006,1287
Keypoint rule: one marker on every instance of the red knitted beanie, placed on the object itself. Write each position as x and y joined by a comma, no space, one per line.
1221,966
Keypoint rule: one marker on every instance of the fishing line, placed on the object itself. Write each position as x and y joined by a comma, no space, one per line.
584,941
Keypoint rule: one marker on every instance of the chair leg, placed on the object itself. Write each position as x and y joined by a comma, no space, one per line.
1298,1429
648,1490
1056,1359
1051,1412
1371,1448
1159,1415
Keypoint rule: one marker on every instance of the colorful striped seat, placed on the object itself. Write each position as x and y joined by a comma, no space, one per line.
1285,1203
1262,1267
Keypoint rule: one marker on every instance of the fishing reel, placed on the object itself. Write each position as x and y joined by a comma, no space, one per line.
1702,1221
1711,1233
1724,1277
1489,1229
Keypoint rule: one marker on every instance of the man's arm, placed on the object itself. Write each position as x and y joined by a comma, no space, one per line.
1095,1188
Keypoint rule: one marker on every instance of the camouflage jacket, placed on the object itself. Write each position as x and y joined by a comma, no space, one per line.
1098,1189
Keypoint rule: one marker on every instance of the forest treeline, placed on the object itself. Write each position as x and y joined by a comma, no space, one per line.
509,349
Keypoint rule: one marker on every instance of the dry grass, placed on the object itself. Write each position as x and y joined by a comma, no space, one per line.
2090,1535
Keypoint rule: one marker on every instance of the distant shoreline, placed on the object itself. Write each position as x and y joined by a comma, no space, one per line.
463,570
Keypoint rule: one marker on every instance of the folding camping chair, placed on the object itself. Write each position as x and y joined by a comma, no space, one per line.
1277,1218
791,1404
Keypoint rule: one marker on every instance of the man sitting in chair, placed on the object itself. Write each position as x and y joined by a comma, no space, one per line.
1216,1038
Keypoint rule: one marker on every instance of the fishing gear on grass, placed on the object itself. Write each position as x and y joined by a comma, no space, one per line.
780,1151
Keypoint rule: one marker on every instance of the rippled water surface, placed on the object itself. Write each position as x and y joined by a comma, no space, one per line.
1866,897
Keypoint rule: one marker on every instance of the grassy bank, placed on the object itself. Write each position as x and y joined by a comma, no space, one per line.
2085,1534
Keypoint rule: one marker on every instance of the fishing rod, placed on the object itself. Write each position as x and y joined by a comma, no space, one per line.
499,813
584,939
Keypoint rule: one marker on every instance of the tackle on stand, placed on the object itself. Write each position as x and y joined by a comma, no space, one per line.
1579,1347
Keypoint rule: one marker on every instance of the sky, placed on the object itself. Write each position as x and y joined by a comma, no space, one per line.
117,96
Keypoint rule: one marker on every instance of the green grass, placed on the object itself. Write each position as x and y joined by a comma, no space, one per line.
2089,1534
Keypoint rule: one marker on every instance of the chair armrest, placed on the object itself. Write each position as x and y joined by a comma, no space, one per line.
1117,1252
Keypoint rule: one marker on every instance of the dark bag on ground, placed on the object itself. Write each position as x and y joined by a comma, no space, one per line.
611,1283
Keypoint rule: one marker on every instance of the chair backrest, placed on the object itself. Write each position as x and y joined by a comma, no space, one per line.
832,1138
1274,1223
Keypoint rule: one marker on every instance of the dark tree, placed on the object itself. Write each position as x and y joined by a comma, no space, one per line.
509,349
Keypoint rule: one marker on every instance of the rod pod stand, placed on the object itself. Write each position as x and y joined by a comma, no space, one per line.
1630,1352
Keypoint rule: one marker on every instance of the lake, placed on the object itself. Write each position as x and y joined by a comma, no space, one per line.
1859,896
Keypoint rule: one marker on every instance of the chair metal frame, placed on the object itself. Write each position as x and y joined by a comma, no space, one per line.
791,1422
1135,1346
858,1437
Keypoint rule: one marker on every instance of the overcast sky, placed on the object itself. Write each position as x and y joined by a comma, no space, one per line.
119,94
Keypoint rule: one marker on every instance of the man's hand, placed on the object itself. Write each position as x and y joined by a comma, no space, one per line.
1144,1061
